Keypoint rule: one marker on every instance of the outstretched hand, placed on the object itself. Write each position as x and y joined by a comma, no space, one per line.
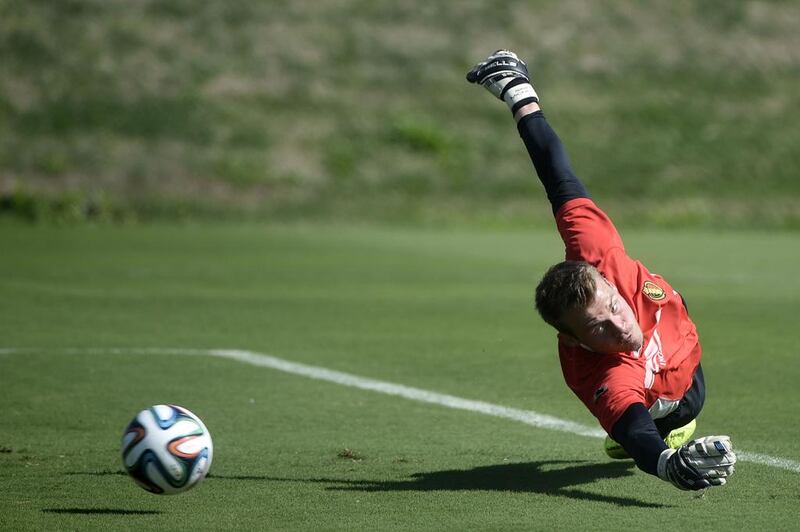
698,464
506,76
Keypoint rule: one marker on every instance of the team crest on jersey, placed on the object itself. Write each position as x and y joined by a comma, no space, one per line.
653,291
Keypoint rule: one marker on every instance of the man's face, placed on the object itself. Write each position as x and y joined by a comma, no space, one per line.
607,324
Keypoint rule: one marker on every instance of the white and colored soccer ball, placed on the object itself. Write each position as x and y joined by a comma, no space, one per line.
167,449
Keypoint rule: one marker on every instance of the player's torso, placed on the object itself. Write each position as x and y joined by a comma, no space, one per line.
661,367
670,336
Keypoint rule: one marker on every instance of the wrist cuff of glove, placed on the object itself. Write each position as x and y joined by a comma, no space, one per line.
662,464
518,93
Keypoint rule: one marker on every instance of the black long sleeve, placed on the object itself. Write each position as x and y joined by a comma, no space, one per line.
550,160
638,435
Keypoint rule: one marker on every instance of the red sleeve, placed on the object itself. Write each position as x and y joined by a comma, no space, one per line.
608,386
587,231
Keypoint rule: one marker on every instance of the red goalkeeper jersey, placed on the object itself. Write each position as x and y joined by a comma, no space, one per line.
659,373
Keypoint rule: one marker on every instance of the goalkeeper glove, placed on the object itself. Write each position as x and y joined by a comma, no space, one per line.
698,464
506,76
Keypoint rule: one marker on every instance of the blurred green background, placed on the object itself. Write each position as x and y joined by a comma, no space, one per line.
679,113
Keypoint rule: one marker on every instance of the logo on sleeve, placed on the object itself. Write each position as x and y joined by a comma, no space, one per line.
600,391
653,291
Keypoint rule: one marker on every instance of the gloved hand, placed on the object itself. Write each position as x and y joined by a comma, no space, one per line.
506,76
698,464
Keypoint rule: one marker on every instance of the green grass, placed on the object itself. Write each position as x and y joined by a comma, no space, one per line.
686,109
444,310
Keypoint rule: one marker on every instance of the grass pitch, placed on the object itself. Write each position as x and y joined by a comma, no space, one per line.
447,311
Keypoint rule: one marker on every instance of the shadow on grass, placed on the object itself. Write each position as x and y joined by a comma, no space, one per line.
531,477
549,477
101,511
119,472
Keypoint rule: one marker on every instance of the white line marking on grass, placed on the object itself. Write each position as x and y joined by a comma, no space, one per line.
765,459
415,394
529,417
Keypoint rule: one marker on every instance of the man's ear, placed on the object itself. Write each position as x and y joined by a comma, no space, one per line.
568,339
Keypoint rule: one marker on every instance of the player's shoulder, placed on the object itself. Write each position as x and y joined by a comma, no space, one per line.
587,231
583,209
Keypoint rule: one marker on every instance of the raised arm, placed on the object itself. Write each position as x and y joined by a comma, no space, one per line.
587,231
506,76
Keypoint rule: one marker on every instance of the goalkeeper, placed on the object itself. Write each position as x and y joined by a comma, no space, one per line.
627,346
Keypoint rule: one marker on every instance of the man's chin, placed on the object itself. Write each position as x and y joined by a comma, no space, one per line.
633,344
630,344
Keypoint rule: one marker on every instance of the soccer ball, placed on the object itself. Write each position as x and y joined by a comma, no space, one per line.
166,449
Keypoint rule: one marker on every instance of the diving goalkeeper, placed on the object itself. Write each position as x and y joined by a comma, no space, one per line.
627,346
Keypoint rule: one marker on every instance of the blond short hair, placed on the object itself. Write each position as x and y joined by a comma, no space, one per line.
565,286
